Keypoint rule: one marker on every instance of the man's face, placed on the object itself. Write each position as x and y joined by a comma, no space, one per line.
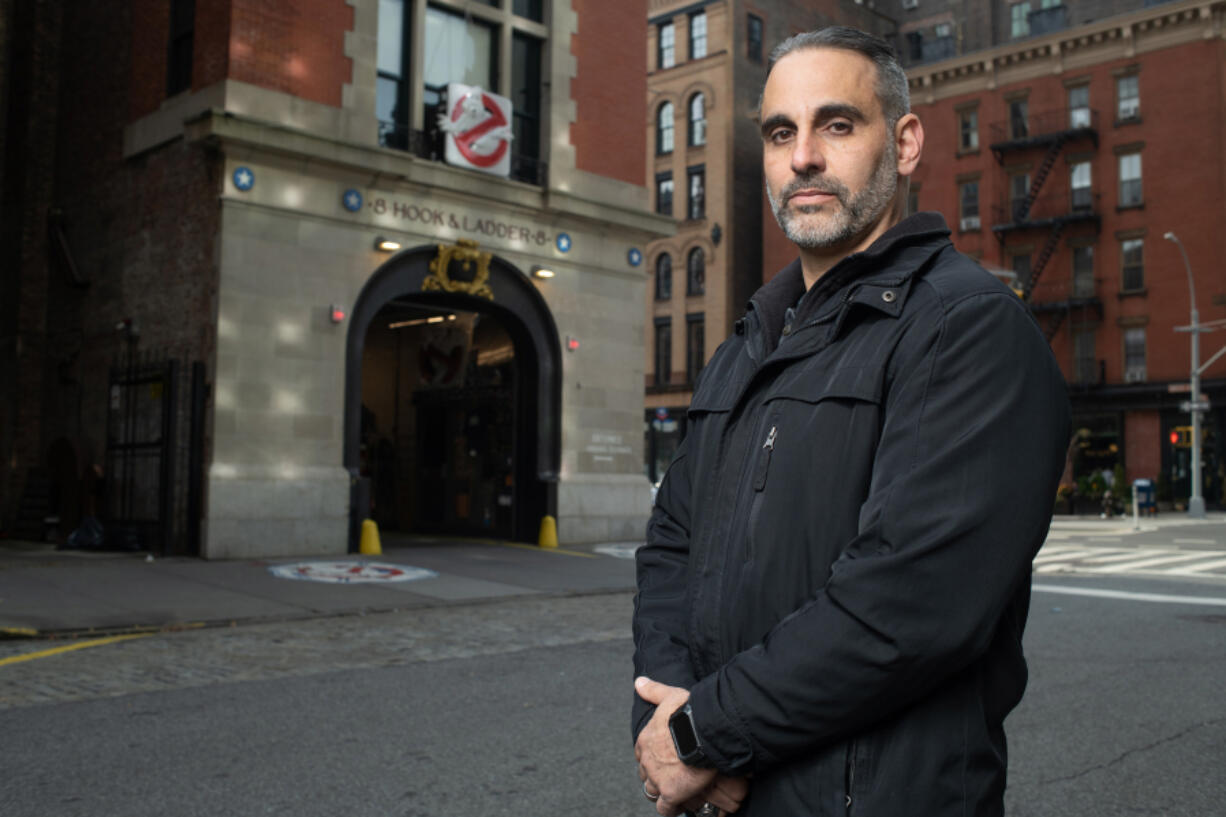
830,159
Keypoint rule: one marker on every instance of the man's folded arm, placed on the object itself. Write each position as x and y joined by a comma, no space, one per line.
661,650
975,429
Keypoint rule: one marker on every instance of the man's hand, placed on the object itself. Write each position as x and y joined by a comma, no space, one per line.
679,786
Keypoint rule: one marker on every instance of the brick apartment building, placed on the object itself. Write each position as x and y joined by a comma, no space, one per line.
1063,141
706,62
203,298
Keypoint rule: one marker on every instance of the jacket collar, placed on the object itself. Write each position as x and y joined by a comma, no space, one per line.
884,266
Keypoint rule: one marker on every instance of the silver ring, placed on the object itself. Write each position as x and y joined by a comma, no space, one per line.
707,810
649,795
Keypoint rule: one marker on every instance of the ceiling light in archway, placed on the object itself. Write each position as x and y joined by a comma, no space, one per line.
386,244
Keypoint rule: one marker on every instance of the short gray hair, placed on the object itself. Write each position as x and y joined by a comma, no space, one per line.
892,90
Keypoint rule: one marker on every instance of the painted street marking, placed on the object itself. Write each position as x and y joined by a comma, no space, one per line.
80,645
1195,570
618,551
1122,556
1120,594
1102,537
349,572
539,549
1156,560
1196,541
1061,555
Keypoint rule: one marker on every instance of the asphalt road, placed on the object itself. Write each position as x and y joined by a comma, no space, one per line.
519,707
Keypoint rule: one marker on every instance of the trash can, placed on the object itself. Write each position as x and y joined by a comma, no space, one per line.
1144,489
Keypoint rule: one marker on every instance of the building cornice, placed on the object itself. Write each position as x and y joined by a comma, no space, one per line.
1122,36
226,129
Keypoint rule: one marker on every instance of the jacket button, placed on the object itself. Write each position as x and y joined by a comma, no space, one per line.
888,296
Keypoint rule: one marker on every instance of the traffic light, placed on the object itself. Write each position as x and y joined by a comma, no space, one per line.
1181,436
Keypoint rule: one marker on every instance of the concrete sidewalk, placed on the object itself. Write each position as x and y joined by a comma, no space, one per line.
46,592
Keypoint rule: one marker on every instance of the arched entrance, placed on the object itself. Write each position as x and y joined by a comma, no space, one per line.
459,352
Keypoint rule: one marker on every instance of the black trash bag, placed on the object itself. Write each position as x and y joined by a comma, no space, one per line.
88,535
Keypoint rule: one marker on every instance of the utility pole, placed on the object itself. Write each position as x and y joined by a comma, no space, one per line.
1196,502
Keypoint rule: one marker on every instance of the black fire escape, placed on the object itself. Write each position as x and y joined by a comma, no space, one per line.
1051,214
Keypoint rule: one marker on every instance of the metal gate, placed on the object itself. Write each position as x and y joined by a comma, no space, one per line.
152,498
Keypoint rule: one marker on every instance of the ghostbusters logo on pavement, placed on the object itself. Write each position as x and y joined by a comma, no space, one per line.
477,128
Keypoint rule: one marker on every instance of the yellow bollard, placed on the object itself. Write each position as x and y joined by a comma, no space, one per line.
549,532
370,539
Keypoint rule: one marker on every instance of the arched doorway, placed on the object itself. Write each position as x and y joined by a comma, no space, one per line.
460,353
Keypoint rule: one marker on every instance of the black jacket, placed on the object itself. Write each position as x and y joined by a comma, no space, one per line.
838,562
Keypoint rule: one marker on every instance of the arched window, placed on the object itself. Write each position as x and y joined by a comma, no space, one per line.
698,120
695,272
664,277
664,129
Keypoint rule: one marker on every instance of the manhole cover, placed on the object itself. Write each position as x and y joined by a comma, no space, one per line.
349,572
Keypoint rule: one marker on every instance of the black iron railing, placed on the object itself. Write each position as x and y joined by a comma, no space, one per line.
428,144
1043,127
1076,205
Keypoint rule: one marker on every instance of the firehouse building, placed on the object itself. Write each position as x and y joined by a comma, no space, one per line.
286,270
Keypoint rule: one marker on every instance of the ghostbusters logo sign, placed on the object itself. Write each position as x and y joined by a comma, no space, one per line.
477,129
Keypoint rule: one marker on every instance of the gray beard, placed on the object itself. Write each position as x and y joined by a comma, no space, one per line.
854,215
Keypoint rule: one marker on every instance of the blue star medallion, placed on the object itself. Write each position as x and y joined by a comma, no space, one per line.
352,200
563,242
244,179
634,257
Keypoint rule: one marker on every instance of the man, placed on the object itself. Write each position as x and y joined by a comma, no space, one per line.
837,569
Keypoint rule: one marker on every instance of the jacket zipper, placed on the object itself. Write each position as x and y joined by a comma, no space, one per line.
761,469
764,460
851,773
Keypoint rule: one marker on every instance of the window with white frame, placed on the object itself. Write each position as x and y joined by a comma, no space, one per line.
1079,106
1132,264
753,37
1127,97
1083,271
1134,355
667,50
664,128
1130,179
1019,116
1079,183
695,272
698,120
664,277
698,35
460,42
696,204
664,193
968,206
1019,192
1019,20
968,129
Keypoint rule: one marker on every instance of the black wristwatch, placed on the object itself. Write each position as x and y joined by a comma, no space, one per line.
685,738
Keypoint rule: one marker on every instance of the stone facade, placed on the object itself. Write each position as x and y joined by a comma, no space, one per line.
172,239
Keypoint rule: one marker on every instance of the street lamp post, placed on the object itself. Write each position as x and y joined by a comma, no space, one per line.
1196,502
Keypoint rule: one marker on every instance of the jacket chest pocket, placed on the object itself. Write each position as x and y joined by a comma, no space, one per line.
816,445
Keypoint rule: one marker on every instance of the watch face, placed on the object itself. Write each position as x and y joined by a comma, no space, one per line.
683,733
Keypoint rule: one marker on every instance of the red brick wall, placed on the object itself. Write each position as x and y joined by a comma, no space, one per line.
295,48
610,130
1183,180
1142,445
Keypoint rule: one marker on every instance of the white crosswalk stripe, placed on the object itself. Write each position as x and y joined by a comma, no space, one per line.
1105,559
